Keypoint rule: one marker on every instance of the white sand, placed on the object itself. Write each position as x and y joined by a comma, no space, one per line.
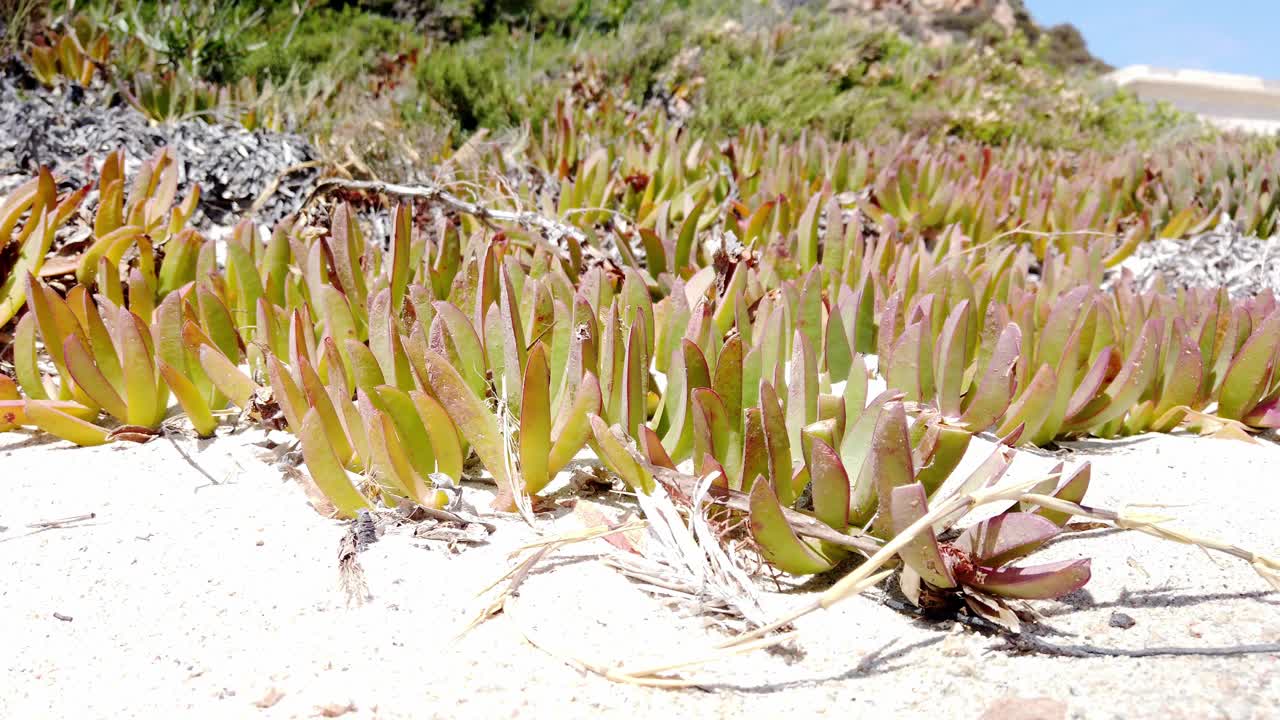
195,600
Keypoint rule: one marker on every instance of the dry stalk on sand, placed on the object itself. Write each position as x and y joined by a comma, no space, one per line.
685,560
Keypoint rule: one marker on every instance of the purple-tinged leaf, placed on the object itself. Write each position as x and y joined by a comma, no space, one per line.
86,375
777,443
1090,385
1072,490
1039,582
951,359
830,484
1034,403
889,462
1250,373
651,445
991,397
907,504
1005,538
471,416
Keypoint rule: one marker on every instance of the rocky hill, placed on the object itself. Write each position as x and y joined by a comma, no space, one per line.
945,21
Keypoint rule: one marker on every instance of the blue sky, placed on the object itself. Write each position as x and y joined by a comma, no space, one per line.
1241,36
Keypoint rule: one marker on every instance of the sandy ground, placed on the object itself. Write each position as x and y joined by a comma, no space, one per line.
186,597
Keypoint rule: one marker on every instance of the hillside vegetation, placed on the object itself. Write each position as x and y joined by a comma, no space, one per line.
714,67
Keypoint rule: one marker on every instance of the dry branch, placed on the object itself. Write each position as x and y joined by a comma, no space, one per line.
436,193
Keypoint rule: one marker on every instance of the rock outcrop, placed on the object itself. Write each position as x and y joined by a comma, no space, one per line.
945,21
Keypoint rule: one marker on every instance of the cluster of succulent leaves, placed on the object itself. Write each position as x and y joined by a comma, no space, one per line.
706,334
710,306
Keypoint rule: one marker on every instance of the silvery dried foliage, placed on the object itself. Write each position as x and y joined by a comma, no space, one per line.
70,129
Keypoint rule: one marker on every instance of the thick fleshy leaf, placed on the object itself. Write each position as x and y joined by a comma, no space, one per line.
830,484
778,543
991,397
571,433
446,445
45,415
1247,378
453,336
651,445
319,400
469,414
907,504
838,353
608,443
905,370
1006,537
192,402
535,421
86,374
1073,490
14,411
1035,402
951,359
777,443
386,458
1087,391
635,389
364,366
1039,582
146,404
410,428
215,319
952,443
728,381
710,428
229,379
326,469
24,358
889,462
1183,375
802,392
855,447
1124,391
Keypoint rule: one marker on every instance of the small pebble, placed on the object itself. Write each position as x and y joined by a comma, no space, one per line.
1122,621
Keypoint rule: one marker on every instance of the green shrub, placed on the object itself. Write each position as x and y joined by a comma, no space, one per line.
348,38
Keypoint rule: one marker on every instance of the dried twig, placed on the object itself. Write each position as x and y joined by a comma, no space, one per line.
1267,566
61,522
437,193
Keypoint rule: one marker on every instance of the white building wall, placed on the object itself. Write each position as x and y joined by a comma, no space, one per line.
1237,102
